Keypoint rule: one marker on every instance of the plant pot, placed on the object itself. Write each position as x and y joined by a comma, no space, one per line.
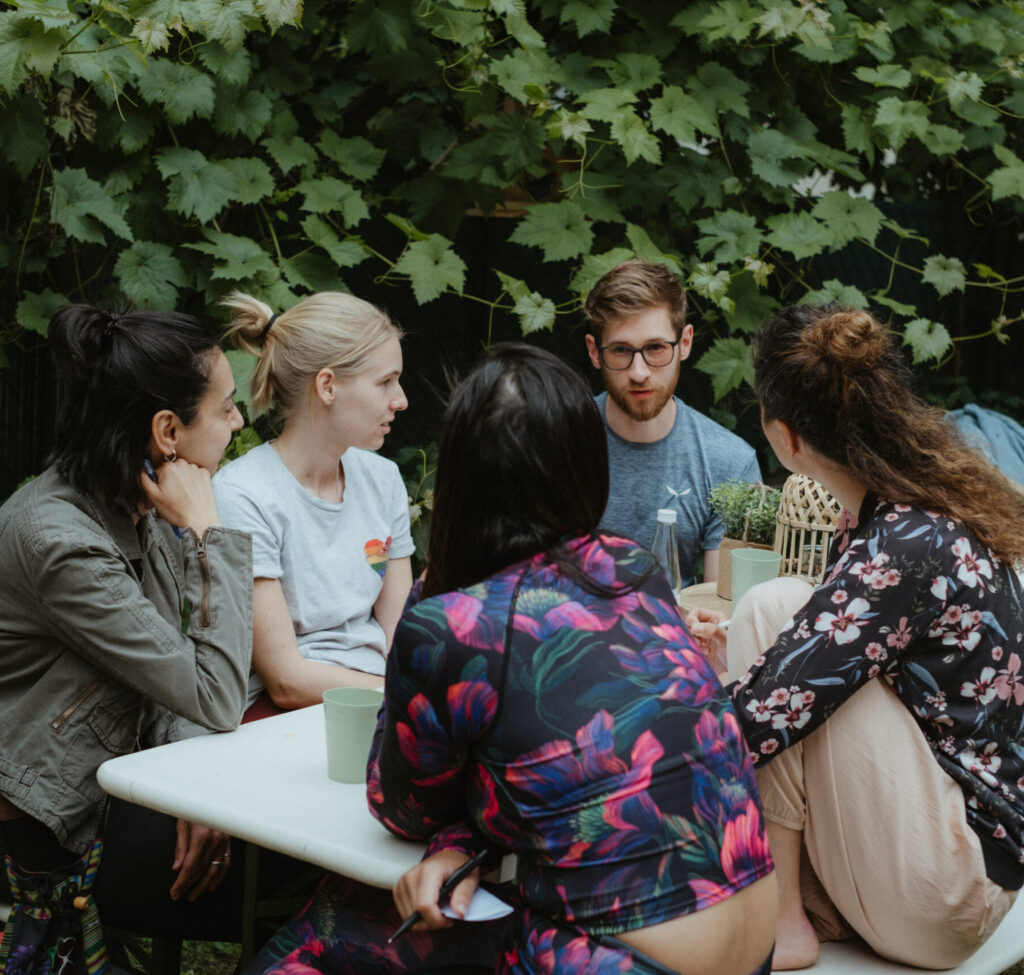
725,562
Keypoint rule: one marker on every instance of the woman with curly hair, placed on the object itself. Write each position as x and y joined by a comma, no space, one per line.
885,707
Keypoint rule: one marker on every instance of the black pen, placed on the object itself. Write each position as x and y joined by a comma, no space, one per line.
446,888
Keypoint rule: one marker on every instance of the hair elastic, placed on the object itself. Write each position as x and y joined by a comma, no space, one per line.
266,328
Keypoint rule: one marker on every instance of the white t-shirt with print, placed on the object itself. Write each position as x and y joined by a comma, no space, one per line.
329,558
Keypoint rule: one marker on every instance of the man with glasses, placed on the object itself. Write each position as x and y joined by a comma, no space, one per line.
661,453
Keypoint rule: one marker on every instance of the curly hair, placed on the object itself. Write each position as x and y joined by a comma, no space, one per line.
834,376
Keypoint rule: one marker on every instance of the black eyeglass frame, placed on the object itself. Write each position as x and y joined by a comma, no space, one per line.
634,352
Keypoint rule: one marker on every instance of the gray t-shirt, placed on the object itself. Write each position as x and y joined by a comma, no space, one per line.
329,558
677,472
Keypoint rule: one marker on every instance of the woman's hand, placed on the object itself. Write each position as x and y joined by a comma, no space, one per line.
419,889
202,857
182,495
709,636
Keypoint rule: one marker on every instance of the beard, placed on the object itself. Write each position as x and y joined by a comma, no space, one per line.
641,411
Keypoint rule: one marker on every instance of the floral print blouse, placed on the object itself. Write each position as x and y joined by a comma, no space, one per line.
582,731
913,597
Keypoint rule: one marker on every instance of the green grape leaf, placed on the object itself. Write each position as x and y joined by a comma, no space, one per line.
595,266
728,236
522,70
523,31
927,339
964,86
150,275
26,45
885,76
24,132
246,112
943,140
857,131
345,253
646,249
602,104
252,179
235,258
637,141
636,72
719,90
195,187
183,90
280,13
848,217
769,150
800,234
710,282
356,157
406,226
901,308
559,229
679,115
834,290
516,288
80,205
327,194
945,274
731,20
242,364
729,363
226,21
535,313
900,119
35,310
289,152
588,15
230,68
752,306
433,267
1008,179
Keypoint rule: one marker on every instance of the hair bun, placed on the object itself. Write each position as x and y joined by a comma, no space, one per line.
852,340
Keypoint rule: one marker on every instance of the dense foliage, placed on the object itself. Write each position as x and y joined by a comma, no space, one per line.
169,150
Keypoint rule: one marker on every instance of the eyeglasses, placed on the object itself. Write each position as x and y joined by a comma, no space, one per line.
617,356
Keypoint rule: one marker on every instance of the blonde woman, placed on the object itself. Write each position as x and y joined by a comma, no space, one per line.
329,518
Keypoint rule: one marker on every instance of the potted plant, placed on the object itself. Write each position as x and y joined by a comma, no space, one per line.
748,512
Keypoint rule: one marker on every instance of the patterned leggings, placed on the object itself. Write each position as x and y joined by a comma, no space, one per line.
345,927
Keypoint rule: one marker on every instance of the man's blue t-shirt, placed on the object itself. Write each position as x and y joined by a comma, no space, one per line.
677,472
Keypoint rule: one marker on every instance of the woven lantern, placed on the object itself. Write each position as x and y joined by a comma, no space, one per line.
806,523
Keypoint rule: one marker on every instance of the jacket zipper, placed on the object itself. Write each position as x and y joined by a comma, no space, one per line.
204,577
62,719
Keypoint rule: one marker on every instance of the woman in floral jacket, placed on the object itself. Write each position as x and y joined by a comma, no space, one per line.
906,793
543,698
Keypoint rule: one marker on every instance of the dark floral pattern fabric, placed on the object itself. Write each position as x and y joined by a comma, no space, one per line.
914,598
582,731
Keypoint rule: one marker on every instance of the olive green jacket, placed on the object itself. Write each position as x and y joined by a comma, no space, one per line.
109,631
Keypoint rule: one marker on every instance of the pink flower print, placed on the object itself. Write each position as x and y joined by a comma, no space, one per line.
892,578
873,671
939,588
801,699
875,651
997,654
999,832
983,765
982,690
1020,783
839,597
937,701
902,507
899,637
1009,682
771,745
892,516
761,711
971,568
964,632
803,631
842,626
779,696
792,718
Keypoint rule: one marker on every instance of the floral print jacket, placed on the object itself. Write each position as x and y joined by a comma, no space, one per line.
582,731
913,597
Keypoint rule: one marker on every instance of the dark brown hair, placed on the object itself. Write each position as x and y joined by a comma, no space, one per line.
631,288
522,467
835,377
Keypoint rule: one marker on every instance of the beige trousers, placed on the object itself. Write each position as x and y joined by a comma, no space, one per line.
889,853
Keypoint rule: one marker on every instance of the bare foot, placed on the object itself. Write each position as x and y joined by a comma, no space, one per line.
796,944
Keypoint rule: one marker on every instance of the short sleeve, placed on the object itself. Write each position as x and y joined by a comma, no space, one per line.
402,544
240,510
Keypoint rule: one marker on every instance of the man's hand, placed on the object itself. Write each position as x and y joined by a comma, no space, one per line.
202,857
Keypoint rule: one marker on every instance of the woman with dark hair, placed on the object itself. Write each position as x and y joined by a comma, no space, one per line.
544,699
896,804
126,610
